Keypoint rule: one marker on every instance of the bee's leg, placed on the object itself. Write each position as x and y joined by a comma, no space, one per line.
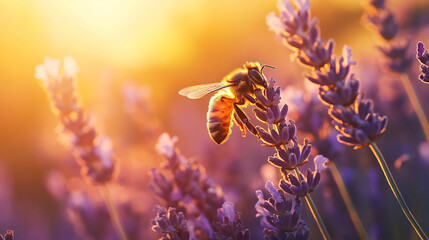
262,107
245,120
239,123
250,98
254,101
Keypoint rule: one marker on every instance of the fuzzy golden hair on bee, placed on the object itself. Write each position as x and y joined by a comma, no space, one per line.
235,91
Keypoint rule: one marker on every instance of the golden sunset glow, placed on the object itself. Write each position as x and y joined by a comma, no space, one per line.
95,131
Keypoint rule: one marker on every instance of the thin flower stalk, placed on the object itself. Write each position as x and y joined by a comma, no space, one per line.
396,56
88,212
353,116
391,181
113,212
289,154
347,201
416,104
314,211
92,152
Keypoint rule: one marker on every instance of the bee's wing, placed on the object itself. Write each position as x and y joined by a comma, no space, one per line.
198,91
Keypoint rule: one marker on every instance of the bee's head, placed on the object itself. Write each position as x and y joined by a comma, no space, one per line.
257,76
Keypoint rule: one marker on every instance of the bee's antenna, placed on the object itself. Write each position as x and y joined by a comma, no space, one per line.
265,65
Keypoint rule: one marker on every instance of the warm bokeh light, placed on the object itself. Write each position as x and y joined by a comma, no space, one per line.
126,49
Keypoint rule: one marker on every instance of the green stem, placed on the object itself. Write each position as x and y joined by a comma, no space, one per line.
113,212
314,211
416,104
348,202
395,190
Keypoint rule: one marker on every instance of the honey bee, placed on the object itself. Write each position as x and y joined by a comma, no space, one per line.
236,90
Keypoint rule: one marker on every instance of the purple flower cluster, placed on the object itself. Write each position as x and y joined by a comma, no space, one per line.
93,152
423,57
196,196
383,21
300,186
170,224
229,224
279,217
276,214
188,187
338,88
358,125
280,134
8,236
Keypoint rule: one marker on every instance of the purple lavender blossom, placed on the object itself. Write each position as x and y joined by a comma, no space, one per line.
170,224
199,198
189,188
300,186
358,127
280,135
338,87
280,216
289,156
8,236
396,55
423,57
229,224
92,152
383,21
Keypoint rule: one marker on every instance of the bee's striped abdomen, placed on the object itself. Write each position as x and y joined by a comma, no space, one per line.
219,117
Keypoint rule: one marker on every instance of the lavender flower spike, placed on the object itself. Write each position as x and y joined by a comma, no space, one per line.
170,224
188,188
92,151
298,185
395,52
229,224
423,57
338,87
280,216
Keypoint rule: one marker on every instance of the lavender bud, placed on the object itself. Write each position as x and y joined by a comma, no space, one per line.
423,57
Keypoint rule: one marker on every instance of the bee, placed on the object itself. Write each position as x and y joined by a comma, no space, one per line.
236,90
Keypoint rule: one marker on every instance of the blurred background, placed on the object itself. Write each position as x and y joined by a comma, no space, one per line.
165,46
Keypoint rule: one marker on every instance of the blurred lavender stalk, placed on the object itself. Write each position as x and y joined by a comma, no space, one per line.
395,53
87,212
354,117
92,152
8,236
189,191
